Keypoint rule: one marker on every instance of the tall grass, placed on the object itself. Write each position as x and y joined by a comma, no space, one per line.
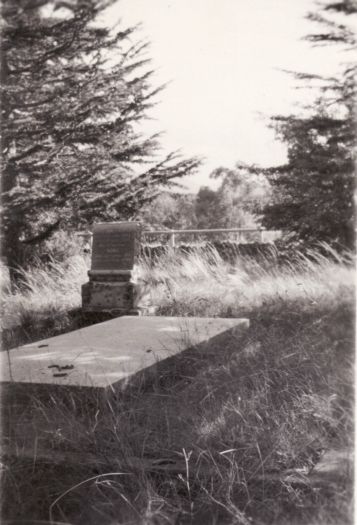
203,284
48,286
199,284
41,303
267,401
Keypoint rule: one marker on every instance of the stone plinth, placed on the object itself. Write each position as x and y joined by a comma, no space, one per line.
115,249
107,296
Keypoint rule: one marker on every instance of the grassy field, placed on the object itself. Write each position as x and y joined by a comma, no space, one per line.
268,401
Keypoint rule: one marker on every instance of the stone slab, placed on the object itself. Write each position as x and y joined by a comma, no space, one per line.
110,352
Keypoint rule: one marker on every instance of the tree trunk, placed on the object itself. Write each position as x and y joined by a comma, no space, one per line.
11,249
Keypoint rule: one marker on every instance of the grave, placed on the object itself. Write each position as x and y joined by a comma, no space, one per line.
89,370
107,355
114,252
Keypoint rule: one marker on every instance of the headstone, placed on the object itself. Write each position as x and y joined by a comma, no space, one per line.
114,253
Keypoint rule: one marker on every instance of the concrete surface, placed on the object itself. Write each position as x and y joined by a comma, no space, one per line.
106,353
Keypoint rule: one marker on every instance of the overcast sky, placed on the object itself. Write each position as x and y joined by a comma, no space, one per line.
222,59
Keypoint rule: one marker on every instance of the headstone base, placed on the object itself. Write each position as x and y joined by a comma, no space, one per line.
107,296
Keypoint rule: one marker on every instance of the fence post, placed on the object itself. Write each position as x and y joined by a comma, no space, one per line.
172,240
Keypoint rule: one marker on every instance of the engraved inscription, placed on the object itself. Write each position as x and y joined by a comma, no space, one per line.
113,250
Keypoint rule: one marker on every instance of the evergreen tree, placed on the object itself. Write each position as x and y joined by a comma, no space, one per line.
313,192
73,96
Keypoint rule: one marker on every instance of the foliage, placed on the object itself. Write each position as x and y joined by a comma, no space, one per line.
209,209
313,192
169,211
238,201
73,97
243,195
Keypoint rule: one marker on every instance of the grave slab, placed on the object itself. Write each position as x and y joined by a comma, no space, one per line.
111,352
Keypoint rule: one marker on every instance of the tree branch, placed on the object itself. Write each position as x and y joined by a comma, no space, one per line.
44,234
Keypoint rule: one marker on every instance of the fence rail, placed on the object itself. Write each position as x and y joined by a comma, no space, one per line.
173,234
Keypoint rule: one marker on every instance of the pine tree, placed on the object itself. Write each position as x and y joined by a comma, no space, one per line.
313,192
73,96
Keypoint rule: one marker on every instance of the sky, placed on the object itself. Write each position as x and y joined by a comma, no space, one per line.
223,61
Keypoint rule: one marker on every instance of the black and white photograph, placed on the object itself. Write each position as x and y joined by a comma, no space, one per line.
177,264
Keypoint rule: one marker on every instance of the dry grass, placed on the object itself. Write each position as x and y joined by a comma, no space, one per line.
202,284
44,303
197,284
44,291
269,400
